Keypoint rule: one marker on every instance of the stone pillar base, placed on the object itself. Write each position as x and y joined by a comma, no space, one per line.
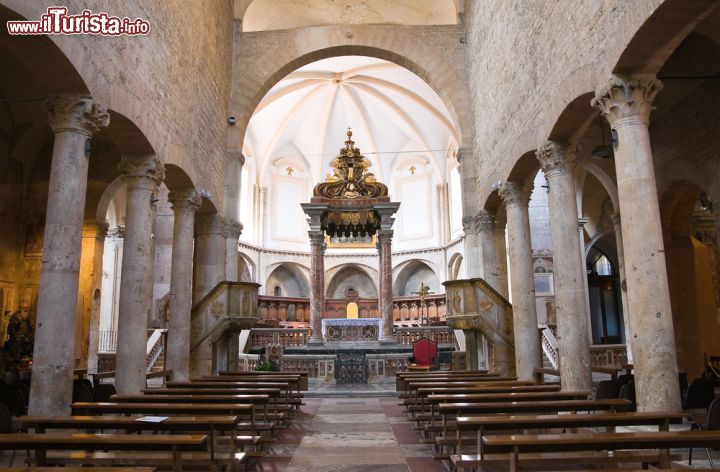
315,341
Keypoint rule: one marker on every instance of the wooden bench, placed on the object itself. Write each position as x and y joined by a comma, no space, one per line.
517,445
196,460
480,424
540,372
78,469
176,444
304,376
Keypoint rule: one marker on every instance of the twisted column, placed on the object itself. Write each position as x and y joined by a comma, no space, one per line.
527,339
317,284
73,119
185,203
557,161
142,175
626,103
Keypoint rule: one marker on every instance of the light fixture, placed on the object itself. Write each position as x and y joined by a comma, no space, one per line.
604,151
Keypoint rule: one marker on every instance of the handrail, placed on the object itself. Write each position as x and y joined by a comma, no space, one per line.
154,347
549,345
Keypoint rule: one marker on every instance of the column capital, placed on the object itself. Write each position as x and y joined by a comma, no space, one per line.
582,222
465,151
484,221
79,113
186,199
384,236
236,155
627,100
142,167
556,157
234,229
95,229
516,193
615,218
210,224
316,236
468,224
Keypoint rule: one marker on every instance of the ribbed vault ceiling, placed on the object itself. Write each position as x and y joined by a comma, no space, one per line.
393,113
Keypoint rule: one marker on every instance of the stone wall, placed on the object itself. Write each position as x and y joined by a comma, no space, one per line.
528,60
173,84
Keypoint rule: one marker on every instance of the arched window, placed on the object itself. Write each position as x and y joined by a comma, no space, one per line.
277,291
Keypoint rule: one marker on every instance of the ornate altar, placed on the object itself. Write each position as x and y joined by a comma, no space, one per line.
351,329
350,206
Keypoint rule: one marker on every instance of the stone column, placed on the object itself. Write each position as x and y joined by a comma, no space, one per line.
583,258
473,250
232,213
626,103
94,244
185,203
142,175
527,338
384,237
73,119
623,284
317,284
491,270
557,161
209,262
472,339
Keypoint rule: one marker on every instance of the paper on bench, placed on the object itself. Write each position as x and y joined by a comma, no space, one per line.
152,419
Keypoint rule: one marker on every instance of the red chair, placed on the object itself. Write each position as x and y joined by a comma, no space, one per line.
424,352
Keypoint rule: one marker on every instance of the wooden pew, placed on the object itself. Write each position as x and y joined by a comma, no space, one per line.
211,425
78,469
540,372
517,445
261,400
176,444
304,376
480,424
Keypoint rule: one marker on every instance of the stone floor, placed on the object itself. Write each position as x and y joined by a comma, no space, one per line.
350,434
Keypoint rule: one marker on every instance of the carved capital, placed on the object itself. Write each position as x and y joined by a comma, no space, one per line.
463,152
468,224
516,193
236,155
316,237
615,218
95,229
142,167
627,101
384,236
484,221
210,224
181,200
234,229
78,113
556,157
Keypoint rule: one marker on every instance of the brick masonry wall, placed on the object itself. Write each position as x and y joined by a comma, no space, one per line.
528,59
173,84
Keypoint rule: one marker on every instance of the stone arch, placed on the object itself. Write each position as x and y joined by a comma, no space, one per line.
410,274
525,169
692,276
291,280
661,33
246,268
454,266
351,276
393,45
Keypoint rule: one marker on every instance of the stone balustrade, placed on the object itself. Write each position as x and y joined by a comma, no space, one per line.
608,354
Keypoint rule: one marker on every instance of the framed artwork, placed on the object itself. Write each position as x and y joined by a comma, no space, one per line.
544,284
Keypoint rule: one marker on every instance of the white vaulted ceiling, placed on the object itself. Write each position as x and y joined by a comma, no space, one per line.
393,114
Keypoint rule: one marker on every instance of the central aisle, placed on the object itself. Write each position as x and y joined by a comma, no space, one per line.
351,434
